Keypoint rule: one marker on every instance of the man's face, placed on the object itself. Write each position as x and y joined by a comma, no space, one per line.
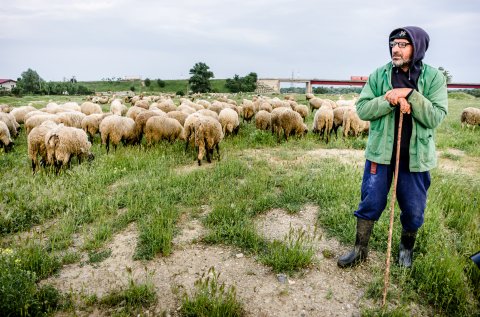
401,56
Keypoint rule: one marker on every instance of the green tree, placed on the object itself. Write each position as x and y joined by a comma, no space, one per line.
242,84
30,82
147,82
446,73
200,80
160,83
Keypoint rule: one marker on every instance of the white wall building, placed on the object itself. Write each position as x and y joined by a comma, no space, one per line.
7,84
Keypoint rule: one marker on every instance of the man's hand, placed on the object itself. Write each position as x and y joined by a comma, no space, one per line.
393,96
404,105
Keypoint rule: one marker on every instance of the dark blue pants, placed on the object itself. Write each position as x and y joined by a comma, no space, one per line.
412,190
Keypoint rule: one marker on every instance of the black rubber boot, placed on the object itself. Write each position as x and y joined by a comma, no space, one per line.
405,254
360,250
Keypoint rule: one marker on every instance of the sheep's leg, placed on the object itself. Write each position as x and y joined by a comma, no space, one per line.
107,144
218,150
235,131
207,152
34,166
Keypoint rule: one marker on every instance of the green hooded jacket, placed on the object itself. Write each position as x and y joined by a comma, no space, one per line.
429,107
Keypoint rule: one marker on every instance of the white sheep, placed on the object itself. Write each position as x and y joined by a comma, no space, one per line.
133,112
142,119
338,114
263,120
116,128
62,143
208,113
36,143
5,139
323,121
351,121
302,110
20,112
71,118
470,117
229,121
248,110
91,124
180,116
36,120
162,128
90,108
11,123
118,108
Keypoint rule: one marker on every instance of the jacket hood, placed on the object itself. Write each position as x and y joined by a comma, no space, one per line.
419,39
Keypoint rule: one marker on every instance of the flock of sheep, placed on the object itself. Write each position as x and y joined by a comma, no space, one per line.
59,132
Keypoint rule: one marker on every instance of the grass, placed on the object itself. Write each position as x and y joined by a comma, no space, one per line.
151,188
211,298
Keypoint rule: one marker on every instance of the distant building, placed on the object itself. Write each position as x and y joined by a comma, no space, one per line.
132,78
7,84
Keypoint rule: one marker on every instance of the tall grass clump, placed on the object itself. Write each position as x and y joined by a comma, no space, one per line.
131,300
292,254
211,298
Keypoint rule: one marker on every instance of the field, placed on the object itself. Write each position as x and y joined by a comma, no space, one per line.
146,231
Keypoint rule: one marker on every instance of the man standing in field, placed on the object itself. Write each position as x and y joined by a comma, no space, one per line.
419,91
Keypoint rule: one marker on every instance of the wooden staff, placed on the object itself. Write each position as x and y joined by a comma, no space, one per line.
392,208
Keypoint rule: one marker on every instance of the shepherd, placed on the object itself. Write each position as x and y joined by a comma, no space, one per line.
405,85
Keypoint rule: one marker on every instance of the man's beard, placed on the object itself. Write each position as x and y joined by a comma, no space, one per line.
400,62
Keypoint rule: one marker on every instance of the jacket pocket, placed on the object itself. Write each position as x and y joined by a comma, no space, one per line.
425,145
375,144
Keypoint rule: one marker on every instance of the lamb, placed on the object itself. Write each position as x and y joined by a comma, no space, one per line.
118,108
20,112
302,110
162,128
470,117
5,140
11,123
91,124
352,121
62,143
89,108
229,121
323,121
290,122
36,143
208,135
263,120
117,128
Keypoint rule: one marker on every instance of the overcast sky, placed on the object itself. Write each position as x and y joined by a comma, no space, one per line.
95,39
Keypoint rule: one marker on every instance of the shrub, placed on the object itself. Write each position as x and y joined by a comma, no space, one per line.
180,93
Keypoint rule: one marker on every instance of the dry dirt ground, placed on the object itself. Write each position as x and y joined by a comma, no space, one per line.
321,290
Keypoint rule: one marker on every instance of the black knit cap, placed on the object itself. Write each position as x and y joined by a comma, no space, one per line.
401,34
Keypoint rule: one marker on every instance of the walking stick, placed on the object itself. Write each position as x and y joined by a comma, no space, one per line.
392,207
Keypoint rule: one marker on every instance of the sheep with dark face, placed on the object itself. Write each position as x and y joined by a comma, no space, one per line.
5,140
63,143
